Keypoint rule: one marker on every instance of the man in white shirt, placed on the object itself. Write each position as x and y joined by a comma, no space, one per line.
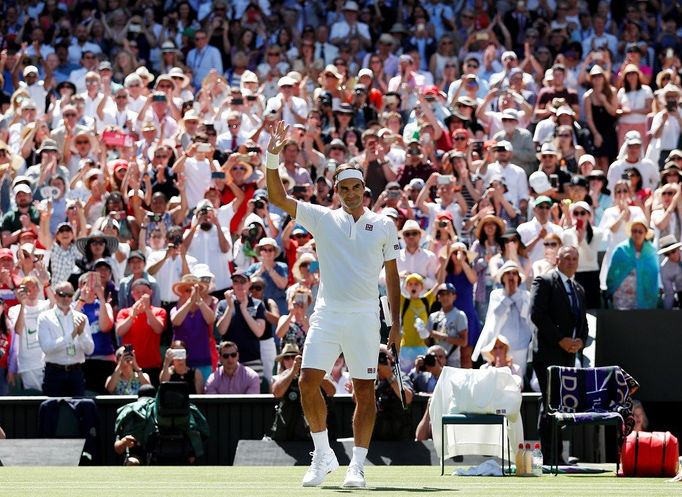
324,50
136,101
413,258
209,243
36,88
514,176
89,63
65,338
534,231
343,31
203,58
600,38
294,109
234,137
353,243
197,169
633,158
24,319
448,200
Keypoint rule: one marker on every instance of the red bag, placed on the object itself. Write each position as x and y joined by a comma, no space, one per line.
650,454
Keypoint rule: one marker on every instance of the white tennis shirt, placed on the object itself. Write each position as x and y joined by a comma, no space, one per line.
351,254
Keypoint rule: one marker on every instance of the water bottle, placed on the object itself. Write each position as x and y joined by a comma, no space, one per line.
520,461
528,460
421,328
537,460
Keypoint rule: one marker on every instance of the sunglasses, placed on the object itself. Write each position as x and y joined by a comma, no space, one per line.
63,294
639,232
121,97
230,354
273,54
543,206
622,191
668,193
548,156
238,168
564,136
69,114
97,242
82,142
551,244
257,288
580,213
460,138
267,249
161,156
411,234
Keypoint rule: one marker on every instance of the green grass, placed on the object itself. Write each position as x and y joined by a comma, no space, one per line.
391,481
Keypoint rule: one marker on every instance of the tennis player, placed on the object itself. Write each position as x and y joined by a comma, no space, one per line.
353,243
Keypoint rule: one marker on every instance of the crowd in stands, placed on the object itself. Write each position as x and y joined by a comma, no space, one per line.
138,244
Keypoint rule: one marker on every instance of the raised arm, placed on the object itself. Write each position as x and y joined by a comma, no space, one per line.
277,195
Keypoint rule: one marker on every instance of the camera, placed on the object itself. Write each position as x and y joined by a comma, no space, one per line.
554,180
442,224
301,299
203,211
259,204
383,358
670,105
393,194
429,361
251,98
154,217
238,101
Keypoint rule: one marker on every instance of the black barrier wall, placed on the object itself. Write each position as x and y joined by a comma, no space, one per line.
230,417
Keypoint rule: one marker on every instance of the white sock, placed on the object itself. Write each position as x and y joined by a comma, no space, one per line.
359,455
321,441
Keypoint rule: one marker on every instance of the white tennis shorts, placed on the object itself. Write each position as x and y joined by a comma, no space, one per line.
357,335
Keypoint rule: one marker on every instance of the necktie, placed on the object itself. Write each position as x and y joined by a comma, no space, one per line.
234,143
573,297
322,53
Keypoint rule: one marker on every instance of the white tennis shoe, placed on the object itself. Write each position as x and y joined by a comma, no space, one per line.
321,465
355,477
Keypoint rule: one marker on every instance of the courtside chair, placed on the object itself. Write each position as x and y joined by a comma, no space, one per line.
588,396
474,419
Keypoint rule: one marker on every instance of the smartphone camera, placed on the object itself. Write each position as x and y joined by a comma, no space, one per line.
383,358
259,204
442,224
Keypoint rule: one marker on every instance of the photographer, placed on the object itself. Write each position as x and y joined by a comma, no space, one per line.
427,370
293,327
128,377
175,368
392,421
209,243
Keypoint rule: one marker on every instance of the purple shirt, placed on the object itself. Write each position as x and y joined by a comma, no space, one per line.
244,381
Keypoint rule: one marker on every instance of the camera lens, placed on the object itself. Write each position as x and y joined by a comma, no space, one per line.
383,358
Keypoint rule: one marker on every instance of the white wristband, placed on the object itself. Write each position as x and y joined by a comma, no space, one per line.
271,161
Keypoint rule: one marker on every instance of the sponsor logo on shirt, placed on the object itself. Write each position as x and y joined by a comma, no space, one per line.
396,247
369,227
371,370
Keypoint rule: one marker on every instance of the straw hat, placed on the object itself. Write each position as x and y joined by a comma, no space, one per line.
668,243
489,218
112,243
487,350
289,350
641,221
411,225
265,242
508,267
296,270
187,283
443,253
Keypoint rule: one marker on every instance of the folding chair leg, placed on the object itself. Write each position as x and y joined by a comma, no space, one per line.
555,452
502,429
442,448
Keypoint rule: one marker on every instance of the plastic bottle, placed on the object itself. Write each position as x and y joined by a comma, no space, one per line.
520,461
528,460
421,328
537,460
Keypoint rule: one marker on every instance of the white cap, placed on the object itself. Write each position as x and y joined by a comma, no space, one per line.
539,182
22,188
30,69
365,72
507,145
286,81
586,158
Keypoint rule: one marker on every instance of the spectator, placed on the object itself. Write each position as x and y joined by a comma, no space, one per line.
293,326
274,273
508,313
242,319
414,259
455,268
534,231
141,326
448,327
192,318
340,376
520,140
24,215
93,304
671,271
127,377
136,266
6,376
601,106
175,368
65,339
29,362
427,370
232,377
392,421
496,354
632,278
268,348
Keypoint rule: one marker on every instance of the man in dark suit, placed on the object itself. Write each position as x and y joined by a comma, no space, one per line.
558,312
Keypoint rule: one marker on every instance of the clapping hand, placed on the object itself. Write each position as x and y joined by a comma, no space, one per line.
278,137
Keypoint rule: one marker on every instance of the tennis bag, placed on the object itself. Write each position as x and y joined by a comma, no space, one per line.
650,454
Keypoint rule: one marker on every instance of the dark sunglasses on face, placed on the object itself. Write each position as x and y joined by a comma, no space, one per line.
580,213
63,294
256,288
551,244
227,355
